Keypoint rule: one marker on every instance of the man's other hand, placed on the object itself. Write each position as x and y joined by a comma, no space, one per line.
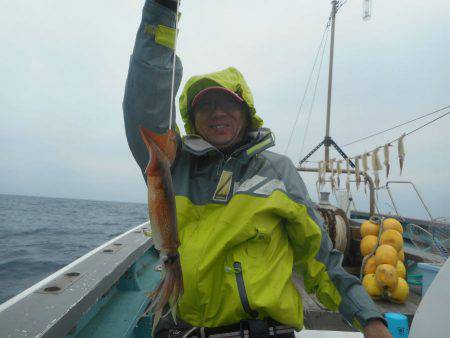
376,329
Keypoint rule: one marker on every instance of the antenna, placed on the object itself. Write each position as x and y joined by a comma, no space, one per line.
367,10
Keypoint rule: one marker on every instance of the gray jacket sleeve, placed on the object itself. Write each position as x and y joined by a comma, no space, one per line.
148,87
356,306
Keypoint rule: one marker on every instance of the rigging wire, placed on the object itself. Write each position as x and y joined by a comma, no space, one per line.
417,129
313,98
396,126
307,85
340,4
405,134
172,90
426,124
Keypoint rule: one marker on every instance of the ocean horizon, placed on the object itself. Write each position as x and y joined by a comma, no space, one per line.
40,235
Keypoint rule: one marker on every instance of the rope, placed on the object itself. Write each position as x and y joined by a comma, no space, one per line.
172,90
313,98
307,87
398,125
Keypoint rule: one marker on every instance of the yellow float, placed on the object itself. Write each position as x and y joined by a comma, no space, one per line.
370,266
368,244
401,292
386,276
392,224
369,228
386,254
401,270
370,284
384,271
393,238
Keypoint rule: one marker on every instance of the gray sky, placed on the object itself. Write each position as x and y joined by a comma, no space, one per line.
64,64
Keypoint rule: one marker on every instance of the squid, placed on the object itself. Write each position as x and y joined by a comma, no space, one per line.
339,173
376,163
347,181
333,183
401,152
162,149
365,162
376,166
321,174
386,158
357,173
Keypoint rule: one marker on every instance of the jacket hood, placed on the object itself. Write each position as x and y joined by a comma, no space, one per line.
229,78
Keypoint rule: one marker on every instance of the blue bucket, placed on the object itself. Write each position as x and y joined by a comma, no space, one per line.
397,324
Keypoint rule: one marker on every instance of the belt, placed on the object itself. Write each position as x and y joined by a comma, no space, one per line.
251,328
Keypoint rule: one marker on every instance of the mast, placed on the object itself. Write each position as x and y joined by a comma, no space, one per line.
328,141
330,82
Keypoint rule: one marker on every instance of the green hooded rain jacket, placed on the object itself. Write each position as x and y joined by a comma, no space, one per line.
245,221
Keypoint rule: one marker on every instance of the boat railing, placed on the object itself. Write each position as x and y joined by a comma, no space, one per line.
394,204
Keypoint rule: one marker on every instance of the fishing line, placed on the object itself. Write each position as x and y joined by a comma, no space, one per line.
398,125
307,86
172,90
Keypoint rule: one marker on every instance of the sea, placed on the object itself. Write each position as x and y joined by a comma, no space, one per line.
40,235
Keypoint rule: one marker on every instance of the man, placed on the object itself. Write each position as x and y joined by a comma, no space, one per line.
244,216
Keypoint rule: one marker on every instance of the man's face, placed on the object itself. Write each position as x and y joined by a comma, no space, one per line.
220,119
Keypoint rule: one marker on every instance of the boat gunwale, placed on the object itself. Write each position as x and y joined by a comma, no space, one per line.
100,271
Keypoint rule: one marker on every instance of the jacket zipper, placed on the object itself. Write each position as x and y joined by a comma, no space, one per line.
241,289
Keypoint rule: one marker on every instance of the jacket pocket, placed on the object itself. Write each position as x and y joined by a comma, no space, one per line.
242,291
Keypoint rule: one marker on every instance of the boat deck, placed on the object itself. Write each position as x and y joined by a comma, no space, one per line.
317,317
